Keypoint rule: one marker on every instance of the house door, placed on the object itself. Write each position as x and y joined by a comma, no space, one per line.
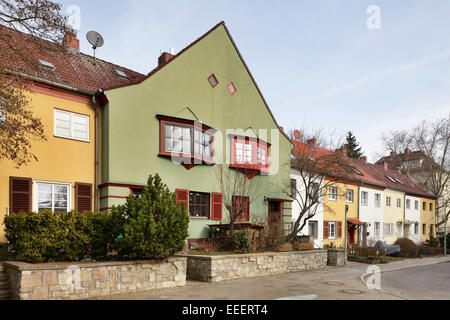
274,219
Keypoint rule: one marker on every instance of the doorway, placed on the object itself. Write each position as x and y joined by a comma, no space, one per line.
275,227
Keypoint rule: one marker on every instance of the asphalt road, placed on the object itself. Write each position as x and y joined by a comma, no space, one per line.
431,282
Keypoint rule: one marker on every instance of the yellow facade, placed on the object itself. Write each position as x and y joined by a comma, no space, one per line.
392,214
427,219
334,211
59,159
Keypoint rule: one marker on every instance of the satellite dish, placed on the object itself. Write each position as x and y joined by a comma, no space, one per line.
95,39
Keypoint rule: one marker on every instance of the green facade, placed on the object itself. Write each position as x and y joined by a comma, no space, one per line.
131,130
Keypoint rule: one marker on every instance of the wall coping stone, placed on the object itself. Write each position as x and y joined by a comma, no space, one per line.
25,266
248,255
336,250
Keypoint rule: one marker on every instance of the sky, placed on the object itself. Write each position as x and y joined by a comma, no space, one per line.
317,63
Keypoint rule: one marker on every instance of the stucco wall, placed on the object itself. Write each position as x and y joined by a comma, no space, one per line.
412,215
80,281
427,218
393,214
371,213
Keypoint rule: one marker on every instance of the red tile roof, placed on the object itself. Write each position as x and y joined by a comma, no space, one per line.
372,174
74,69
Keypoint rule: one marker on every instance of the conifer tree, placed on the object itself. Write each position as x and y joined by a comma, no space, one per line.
352,146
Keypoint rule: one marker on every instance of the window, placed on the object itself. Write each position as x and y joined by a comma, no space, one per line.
121,73
137,192
213,81
2,110
52,196
71,125
186,138
357,171
377,200
249,152
333,194
349,196
431,207
262,156
408,204
391,179
313,229
314,191
47,64
241,208
388,201
199,204
231,88
416,205
332,230
399,203
293,188
424,206
388,229
377,229
416,228
424,229
364,198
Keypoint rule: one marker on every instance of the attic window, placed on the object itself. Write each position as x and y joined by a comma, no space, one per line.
391,179
47,64
357,171
121,73
398,181
231,88
2,111
312,159
213,80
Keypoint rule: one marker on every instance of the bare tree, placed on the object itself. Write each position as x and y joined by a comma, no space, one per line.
318,171
432,140
41,20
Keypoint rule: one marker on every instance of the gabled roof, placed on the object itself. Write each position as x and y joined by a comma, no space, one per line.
74,69
396,160
372,174
222,23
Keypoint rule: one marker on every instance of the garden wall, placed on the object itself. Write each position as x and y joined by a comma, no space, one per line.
220,268
52,281
336,257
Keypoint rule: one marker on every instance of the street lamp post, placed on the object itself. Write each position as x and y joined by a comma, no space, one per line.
445,230
345,239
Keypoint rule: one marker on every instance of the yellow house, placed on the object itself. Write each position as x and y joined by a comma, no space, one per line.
393,214
427,219
338,195
63,96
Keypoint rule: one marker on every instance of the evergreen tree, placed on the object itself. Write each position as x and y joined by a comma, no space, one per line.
352,146
154,226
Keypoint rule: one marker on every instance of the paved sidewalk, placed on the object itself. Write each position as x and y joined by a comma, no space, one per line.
329,283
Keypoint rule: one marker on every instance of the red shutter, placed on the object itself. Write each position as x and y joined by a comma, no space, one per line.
83,197
20,195
339,231
217,199
183,197
326,230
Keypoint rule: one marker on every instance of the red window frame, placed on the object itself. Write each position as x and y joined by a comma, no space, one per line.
164,120
237,200
215,79
255,143
231,85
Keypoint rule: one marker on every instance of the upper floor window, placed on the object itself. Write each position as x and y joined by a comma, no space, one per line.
431,206
388,201
416,205
408,204
364,198
399,203
377,200
249,153
332,194
349,196
186,138
71,125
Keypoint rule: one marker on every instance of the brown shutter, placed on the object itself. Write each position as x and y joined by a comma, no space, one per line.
217,199
83,197
339,229
20,195
183,197
326,230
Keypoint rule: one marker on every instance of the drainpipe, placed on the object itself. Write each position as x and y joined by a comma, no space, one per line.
94,101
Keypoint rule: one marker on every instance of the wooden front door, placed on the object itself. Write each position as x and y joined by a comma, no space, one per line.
274,221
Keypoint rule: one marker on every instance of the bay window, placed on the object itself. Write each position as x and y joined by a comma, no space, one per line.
249,153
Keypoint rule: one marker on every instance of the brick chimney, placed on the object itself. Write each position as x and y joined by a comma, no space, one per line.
70,41
164,58
342,151
384,164
364,159
312,142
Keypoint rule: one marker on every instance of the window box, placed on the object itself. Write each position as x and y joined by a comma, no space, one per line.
187,140
249,155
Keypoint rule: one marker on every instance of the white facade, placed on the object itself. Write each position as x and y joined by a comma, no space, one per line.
371,212
411,226
315,224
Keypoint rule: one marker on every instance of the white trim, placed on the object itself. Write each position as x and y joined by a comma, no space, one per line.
335,195
329,230
70,113
36,194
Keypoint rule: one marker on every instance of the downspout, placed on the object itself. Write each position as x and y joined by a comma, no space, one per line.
94,101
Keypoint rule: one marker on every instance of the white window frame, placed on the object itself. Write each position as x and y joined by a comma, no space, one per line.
416,205
408,204
2,110
376,231
388,201
347,198
330,235
72,137
416,228
377,200
399,203
316,228
364,202
53,183
332,195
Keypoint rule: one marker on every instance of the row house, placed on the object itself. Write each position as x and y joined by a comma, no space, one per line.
197,115
382,204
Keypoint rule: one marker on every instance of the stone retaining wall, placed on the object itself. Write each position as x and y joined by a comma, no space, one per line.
53,281
220,268
336,257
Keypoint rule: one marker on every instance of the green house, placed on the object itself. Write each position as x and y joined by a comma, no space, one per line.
200,121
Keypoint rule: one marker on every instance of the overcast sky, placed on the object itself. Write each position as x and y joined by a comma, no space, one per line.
316,62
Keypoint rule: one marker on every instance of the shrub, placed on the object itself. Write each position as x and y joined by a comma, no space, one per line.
153,226
241,242
408,249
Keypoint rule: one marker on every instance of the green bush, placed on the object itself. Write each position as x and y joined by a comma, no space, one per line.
241,242
153,226
408,249
60,236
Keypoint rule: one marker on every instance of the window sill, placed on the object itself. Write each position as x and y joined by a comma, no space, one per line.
187,161
199,218
74,139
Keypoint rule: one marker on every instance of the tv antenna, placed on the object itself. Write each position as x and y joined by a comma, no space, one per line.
95,39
